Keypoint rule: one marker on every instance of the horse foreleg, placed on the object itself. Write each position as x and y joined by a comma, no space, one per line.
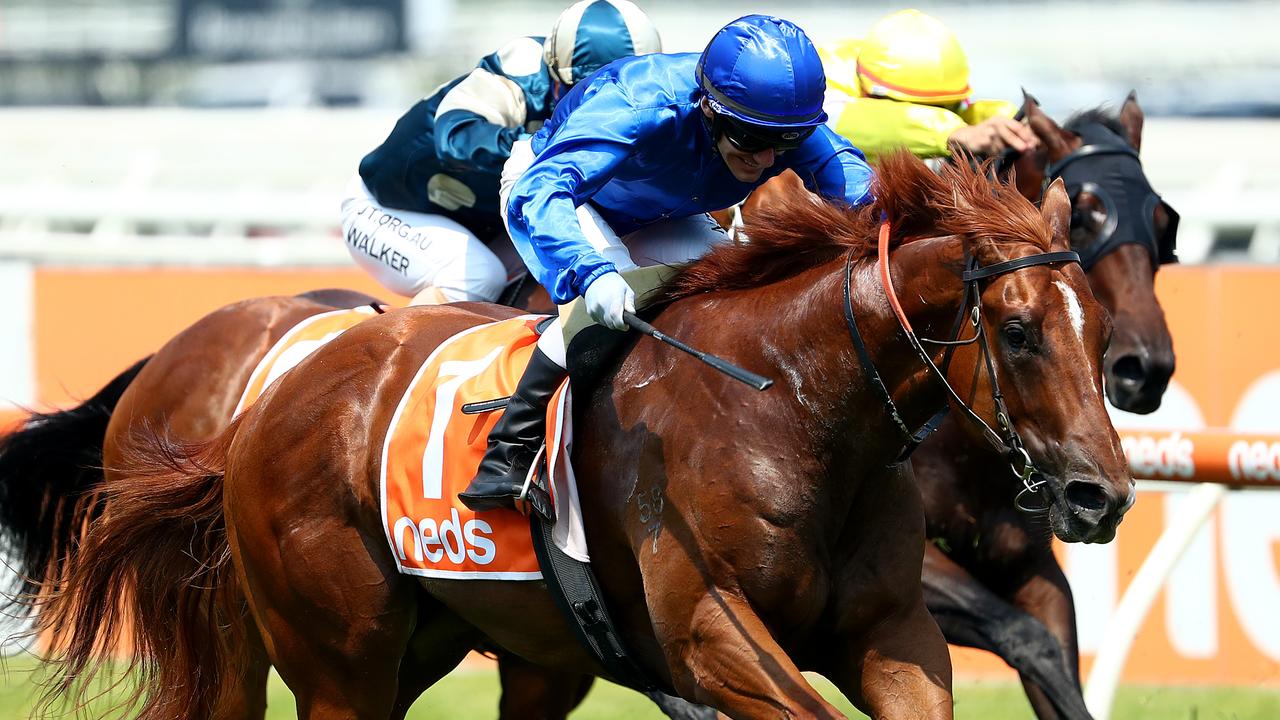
899,669
726,657
970,614
1046,596
681,709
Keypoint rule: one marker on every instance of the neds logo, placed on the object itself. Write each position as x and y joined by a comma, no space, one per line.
1151,457
1256,460
451,538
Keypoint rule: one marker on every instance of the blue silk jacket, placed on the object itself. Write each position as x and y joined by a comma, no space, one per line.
632,141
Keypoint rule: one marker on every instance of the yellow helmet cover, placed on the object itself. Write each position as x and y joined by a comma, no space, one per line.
913,57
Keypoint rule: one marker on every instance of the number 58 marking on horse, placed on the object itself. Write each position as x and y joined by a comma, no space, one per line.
650,503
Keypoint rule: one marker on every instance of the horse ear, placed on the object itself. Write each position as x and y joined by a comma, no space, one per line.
1055,208
1051,136
1131,120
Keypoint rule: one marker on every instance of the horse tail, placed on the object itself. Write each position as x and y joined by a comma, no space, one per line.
50,470
154,579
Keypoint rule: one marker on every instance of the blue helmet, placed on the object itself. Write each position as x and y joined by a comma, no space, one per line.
764,72
593,33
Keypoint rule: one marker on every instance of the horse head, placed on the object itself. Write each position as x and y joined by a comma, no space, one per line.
1040,335
1121,228
1123,232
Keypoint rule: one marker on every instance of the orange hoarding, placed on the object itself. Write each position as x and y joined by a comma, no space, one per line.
91,324
1217,622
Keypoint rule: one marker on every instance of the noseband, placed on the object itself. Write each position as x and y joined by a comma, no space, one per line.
1006,441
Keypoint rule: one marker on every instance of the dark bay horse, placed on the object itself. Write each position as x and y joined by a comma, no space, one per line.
788,538
1140,357
990,576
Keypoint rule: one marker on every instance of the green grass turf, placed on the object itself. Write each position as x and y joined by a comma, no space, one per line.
473,694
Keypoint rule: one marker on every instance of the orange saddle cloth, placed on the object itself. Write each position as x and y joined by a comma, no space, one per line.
432,451
295,345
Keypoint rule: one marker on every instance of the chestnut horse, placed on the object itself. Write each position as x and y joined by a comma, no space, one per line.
52,466
788,536
990,576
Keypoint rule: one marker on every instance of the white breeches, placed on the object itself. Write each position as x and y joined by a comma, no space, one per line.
409,251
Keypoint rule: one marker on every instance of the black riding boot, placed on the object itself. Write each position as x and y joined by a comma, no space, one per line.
514,442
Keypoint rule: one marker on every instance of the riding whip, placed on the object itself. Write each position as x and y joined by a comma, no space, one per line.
758,382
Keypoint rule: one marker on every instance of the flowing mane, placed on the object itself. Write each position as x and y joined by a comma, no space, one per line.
800,232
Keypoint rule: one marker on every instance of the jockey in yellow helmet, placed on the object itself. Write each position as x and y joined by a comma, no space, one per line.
906,84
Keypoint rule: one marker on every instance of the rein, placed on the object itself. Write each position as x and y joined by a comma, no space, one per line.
1006,441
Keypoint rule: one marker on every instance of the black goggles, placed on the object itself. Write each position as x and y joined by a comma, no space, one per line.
756,138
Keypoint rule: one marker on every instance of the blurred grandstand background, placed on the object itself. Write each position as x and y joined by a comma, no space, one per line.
1188,58
305,87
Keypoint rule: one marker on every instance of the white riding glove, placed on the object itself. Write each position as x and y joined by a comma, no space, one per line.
606,297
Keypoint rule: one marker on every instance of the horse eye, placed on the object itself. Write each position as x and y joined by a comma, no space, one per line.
1015,336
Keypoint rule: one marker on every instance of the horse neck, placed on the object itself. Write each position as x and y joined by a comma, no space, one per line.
813,357
926,283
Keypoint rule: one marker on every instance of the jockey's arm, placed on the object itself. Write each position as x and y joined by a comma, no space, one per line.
831,167
984,127
991,129
481,117
583,154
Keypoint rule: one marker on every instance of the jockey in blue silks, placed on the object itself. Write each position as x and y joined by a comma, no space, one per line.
424,204
628,166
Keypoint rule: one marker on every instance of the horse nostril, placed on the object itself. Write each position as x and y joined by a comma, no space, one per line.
1160,369
1086,495
1129,367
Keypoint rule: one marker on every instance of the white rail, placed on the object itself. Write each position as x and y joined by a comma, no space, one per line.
135,182
1194,510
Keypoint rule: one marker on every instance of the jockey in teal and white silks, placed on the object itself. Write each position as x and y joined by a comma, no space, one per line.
623,175
418,214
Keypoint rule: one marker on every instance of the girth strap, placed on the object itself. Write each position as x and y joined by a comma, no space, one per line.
573,586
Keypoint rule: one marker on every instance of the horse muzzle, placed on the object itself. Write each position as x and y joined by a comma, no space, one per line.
1136,379
1088,511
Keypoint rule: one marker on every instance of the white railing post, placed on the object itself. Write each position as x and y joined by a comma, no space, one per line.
1129,615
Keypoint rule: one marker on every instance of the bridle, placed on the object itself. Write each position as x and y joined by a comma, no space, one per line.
1108,168
1115,177
1005,440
